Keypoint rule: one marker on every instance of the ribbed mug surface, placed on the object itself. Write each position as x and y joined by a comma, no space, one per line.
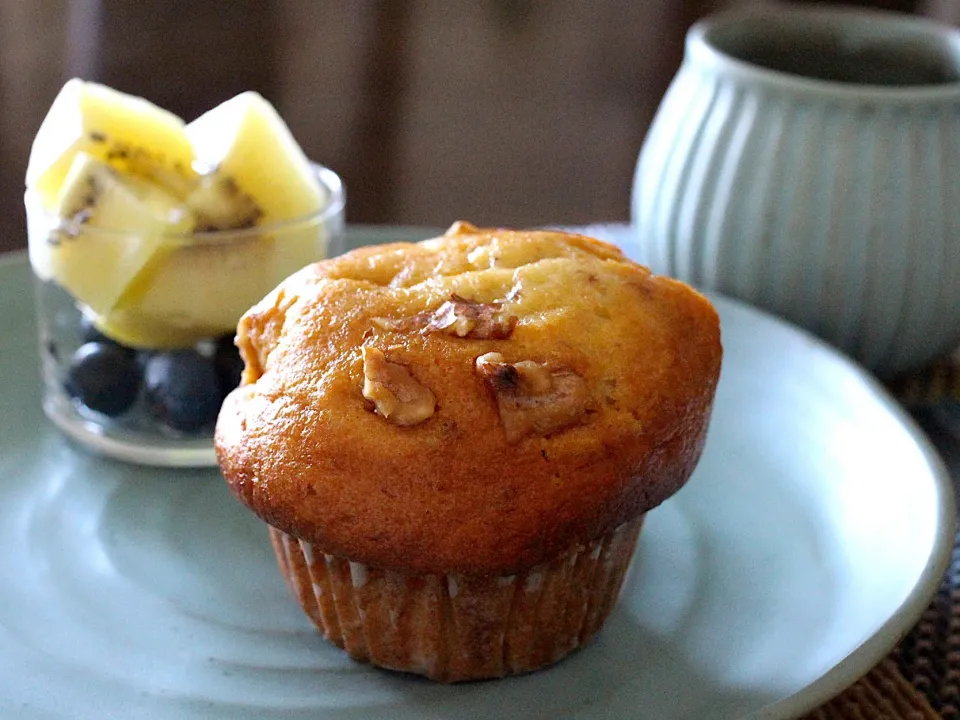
831,198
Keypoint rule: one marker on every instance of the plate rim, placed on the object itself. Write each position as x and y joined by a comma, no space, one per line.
871,651
874,648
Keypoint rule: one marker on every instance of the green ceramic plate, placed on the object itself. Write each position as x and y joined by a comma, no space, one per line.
809,540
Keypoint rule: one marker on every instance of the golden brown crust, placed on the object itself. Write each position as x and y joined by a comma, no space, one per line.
301,446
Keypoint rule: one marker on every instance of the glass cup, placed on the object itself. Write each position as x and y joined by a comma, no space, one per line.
136,333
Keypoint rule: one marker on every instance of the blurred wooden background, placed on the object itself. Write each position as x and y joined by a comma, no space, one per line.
508,112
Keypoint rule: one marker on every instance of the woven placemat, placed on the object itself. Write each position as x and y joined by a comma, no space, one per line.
884,693
920,679
929,657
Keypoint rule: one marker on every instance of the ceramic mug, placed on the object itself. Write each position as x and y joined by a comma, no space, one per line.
807,160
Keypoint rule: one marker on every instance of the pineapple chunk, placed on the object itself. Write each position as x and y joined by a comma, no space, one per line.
250,149
105,160
134,329
200,291
219,204
258,174
130,133
112,226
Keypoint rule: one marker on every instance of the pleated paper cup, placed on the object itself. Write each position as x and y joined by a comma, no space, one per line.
455,627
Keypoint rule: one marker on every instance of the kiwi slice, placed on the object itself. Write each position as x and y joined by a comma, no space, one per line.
95,266
218,203
125,131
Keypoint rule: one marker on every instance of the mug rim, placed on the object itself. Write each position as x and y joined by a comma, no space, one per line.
701,48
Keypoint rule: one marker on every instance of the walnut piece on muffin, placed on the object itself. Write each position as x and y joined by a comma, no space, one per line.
455,442
533,398
458,316
394,392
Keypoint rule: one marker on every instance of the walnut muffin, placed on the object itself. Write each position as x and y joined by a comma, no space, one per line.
454,442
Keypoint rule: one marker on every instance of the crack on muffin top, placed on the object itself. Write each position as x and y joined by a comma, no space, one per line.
483,285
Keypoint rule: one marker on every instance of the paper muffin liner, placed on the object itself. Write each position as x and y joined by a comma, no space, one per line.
458,627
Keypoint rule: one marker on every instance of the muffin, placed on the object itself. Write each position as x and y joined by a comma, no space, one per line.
454,443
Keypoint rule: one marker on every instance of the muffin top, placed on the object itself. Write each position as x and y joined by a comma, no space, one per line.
474,403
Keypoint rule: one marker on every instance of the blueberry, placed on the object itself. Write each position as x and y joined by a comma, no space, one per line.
183,389
229,364
103,377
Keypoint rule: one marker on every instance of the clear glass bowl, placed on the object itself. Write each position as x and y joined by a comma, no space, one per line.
136,334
